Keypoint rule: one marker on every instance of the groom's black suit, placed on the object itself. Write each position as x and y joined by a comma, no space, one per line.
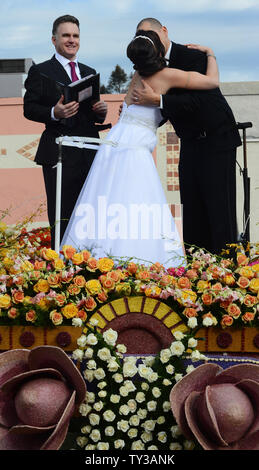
41,95
209,137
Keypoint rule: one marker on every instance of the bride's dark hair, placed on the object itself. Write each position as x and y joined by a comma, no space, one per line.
146,53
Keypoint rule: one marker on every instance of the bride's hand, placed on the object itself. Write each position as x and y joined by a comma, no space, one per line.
205,49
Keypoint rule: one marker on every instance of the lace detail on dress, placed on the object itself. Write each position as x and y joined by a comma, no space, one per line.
129,118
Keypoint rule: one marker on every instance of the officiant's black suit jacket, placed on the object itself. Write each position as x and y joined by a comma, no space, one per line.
40,96
207,169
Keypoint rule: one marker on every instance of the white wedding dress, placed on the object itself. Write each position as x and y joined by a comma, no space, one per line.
122,210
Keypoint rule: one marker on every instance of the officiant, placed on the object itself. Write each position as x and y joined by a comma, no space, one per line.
44,102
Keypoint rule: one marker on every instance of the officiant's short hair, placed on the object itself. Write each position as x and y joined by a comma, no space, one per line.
153,22
64,19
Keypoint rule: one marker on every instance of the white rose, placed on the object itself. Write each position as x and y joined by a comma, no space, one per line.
119,444
178,377
98,406
109,431
176,431
124,410
84,409
137,445
207,321
140,397
129,369
123,391
129,385
109,416
94,419
78,355
149,361
192,343
91,364
151,405
86,429
132,405
146,436
101,385
175,446
90,397
134,420
89,353
149,425
178,335
132,433
156,392
81,341
142,413
99,374
160,420
88,375
102,394
177,348
113,365
95,435
77,322
153,377
195,356
121,348
152,447
170,369
145,386
118,378
144,371
103,446
104,354
167,382
123,425
192,322
91,339
189,369
188,445
81,441
110,337
90,447
165,355
93,322
166,406
162,436
115,398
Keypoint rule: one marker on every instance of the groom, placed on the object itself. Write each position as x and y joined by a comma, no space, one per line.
209,138
43,103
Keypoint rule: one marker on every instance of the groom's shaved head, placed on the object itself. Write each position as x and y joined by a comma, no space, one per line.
155,24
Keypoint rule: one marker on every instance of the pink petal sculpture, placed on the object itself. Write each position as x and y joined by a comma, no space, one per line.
39,392
220,408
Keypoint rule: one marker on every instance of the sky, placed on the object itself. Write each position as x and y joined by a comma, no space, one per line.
230,27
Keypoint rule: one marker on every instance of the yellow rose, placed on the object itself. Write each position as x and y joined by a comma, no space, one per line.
93,287
5,301
247,271
188,296
58,264
8,262
3,226
105,264
255,267
43,304
123,288
41,286
254,285
27,266
77,258
202,285
27,300
153,291
49,254
70,310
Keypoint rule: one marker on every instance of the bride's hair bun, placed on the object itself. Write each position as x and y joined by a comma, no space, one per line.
146,52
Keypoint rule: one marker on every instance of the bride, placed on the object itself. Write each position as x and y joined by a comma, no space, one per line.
122,209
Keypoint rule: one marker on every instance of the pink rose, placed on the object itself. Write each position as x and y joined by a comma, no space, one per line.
220,408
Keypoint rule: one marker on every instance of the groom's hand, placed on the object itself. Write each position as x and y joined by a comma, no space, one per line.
145,96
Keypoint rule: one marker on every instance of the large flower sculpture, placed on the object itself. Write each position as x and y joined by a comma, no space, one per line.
220,408
39,392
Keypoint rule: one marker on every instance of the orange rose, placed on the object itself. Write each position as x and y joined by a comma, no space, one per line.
102,297
38,265
225,303
250,300
190,312
207,299
132,268
243,282
79,281
73,289
82,314
143,275
226,320
196,264
53,280
60,299
91,264
184,283
56,317
192,274
13,313
115,275
234,311
225,263
18,297
217,287
86,255
108,284
31,316
248,316
242,259
90,304
68,251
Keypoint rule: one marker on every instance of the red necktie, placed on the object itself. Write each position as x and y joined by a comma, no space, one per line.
73,71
